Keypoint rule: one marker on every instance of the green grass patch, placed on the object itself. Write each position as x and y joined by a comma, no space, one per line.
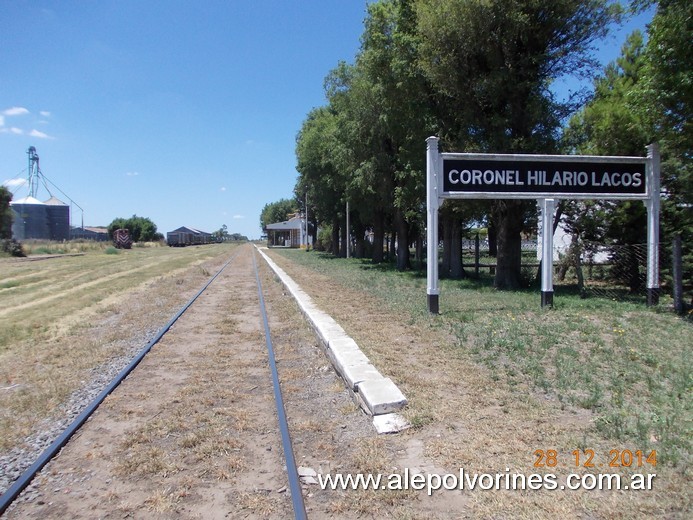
629,365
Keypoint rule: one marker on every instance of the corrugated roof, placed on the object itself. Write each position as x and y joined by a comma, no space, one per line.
289,224
185,229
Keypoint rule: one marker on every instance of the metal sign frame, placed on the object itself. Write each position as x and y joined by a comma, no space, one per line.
647,190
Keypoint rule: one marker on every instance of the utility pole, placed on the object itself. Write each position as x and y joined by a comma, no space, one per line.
307,226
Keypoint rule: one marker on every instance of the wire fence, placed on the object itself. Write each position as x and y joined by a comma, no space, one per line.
596,269
617,272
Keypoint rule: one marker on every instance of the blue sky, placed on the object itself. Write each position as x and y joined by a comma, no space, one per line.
185,112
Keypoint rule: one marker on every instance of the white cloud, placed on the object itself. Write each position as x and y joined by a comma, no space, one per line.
238,217
12,130
223,188
13,183
20,111
39,134
132,174
15,111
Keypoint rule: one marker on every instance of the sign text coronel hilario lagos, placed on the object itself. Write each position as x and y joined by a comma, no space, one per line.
558,178
544,178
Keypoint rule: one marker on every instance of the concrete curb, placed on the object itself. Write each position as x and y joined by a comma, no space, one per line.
378,394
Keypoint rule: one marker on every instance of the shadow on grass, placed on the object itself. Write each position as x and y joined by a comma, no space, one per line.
484,281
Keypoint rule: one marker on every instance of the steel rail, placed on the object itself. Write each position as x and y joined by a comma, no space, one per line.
292,471
25,478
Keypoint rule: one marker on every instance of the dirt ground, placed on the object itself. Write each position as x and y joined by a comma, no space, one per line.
465,418
192,433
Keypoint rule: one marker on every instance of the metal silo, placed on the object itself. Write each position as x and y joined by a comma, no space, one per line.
30,219
58,215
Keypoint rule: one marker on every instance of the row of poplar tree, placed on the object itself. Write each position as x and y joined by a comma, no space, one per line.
478,74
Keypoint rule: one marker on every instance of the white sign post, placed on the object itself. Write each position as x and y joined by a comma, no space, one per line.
544,178
547,209
432,205
652,204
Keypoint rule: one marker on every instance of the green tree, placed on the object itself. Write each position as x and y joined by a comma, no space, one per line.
397,115
276,212
611,124
491,64
141,229
665,99
5,214
380,110
320,177
645,96
221,234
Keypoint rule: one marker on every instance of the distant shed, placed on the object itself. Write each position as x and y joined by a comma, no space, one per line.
187,236
285,234
97,234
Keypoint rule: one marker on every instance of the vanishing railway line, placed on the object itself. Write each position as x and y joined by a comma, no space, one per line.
197,412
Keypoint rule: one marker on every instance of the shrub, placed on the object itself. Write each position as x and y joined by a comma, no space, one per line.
12,247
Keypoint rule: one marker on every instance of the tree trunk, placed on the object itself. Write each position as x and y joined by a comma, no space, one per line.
578,272
313,230
456,270
633,269
403,262
344,242
509,218
419,252
335,236
492,239
378,237
359,234
445,220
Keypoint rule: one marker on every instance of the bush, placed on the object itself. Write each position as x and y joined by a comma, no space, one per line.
12,247
111,250
324,242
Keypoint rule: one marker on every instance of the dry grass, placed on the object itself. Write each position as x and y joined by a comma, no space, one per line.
477,402
145,461
492,380
259,503
61,318
371,456
202,423
162,501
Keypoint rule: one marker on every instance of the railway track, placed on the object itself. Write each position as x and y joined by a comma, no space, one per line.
196,425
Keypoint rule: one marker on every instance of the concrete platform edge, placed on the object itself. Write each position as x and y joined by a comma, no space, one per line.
377,394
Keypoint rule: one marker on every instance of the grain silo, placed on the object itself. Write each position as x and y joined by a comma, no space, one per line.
58,216
30,219
49,220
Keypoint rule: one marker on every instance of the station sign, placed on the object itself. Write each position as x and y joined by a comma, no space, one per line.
544,178
558,176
